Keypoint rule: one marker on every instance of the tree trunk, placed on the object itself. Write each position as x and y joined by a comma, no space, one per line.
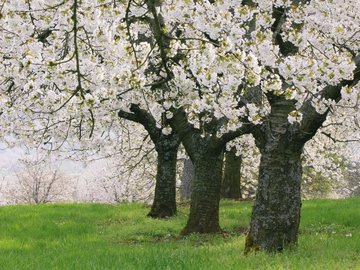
276,212
206,152
187,179
231,182
164,204
204,207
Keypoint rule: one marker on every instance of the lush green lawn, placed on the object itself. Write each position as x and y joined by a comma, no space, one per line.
95,236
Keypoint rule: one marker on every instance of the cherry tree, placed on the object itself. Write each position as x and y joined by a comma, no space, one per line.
213,69
275,66
305,33
62,59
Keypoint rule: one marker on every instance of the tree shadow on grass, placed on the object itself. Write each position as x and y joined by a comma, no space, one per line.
195,239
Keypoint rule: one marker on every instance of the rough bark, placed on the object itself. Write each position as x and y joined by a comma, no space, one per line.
276,212
187,179
230,188
204,206
164,204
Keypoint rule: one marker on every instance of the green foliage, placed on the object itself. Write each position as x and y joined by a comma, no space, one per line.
99,236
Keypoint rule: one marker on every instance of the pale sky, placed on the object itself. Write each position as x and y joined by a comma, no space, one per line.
8,159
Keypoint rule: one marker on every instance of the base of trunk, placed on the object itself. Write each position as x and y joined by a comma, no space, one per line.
276,213
162,212
271,241
197,226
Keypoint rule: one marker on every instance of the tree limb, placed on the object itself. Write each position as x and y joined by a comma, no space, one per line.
312,120
144,118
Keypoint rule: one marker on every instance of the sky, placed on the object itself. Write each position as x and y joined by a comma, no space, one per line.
9,161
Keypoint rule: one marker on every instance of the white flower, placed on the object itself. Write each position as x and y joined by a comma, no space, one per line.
169,115
294,116
166,130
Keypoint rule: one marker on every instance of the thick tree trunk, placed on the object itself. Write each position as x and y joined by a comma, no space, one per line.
276,213
230,188
164,204
204,207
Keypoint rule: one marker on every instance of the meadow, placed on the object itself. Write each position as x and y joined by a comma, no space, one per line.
119,236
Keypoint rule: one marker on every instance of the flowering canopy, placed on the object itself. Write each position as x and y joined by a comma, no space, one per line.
70,65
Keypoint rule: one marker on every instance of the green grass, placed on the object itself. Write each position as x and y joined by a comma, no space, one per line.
99,236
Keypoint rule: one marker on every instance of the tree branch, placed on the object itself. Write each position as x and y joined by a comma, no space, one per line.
312,120
144,118
189,135
337,140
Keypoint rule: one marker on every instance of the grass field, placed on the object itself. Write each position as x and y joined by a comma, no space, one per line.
98,236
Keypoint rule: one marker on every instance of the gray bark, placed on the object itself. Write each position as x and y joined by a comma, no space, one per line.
187,179
276,212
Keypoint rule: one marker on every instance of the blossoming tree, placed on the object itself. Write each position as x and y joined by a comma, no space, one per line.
60,53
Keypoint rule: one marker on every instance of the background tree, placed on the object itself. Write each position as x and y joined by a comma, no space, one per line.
230,187
353,176
186,179
39,181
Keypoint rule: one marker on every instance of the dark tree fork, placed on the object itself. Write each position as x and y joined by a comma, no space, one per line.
205,151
